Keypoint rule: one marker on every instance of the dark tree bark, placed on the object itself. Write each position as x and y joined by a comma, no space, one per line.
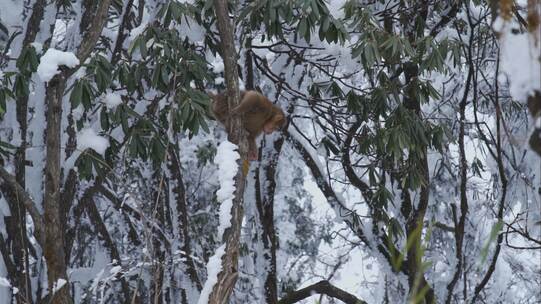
158,212
322,287
415,219
53,250
460,223
15,224
177,187
54,244
101,229
123,31
265,208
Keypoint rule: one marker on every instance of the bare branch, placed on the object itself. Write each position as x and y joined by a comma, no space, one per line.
94,30
322,287
27,201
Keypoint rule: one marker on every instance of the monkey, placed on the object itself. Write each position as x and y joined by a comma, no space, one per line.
260,115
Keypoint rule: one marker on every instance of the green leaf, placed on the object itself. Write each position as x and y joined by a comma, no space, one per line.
21,86
494,232
87,94
332,34
302,27
167,18
134,45
3,98
76,95
104,119
143,49
157,150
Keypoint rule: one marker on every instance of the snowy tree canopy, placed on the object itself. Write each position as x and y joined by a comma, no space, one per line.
408,171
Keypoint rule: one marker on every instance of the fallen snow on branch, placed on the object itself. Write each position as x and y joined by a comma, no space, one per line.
51,60
226,159
88,138
214,266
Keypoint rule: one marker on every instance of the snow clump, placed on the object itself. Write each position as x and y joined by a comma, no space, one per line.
52,60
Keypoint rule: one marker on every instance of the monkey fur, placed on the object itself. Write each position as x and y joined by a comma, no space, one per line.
259,115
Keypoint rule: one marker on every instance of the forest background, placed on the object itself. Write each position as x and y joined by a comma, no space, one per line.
408,171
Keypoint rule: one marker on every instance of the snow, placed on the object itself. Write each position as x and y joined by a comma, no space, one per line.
81,72
10,14
112,100
219,81
87,138
37,46
58,284
214,266
52,60
4,282
226,159
137,31
519,60
115,270
141,28
217,65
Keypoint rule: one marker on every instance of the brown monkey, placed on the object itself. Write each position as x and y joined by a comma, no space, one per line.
260,114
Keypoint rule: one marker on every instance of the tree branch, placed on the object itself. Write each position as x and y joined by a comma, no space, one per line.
93,31
350,217
227,277
27,201
321,287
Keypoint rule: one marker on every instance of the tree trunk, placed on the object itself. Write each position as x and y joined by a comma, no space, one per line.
265,208
179,195
54,233
228,275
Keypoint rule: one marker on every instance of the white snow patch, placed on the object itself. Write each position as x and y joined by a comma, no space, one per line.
214,266
88,138
4,282
217,65
226,159
115,270
37,46
112,100
58,284
137,31
519,59
51,60
81,72
141,28
219,80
